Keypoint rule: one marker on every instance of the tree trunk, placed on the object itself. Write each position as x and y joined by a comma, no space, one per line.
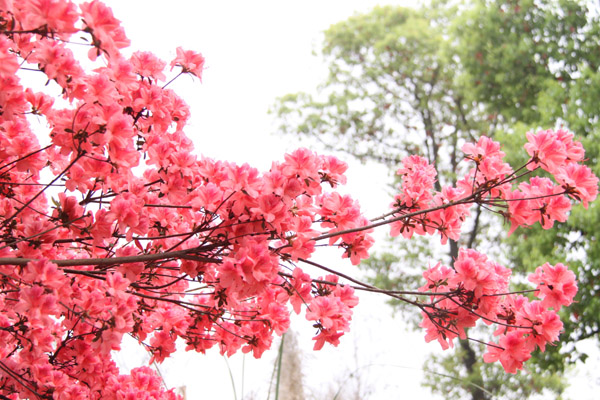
469,360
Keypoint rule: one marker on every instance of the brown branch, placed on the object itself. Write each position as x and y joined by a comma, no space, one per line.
469,199
122,260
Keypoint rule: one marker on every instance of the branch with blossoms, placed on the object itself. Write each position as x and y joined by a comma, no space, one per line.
134,234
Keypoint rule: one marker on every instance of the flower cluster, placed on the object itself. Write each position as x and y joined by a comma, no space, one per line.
421,209
183,248
478,288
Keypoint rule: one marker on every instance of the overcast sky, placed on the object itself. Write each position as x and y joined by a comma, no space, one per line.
256,51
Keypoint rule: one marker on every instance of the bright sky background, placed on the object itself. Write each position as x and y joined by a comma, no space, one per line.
256,51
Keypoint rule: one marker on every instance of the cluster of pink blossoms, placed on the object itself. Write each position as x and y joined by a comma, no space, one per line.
186,248
113,226
422,210
475,288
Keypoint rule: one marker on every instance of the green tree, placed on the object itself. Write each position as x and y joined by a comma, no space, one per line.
404,81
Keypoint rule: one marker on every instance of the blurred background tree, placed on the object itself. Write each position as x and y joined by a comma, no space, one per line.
425,81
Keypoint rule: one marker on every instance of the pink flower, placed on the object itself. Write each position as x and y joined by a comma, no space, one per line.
57,62
279,317
303,165
325,310
59,15
46,273
357,244
545,202
514,350
475,273
300,291
418,178
437,279
107,33
446,221
126,208
519,211
100,89
8,61
545,323
40,102
271,208
327,336
346,295
556,285
546,150
575,151
484,148
333,170
37,305
208,196
338,211
148,65
189,61
579,182
490,167
436,330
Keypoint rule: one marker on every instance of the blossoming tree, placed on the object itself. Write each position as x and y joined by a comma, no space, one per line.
111,226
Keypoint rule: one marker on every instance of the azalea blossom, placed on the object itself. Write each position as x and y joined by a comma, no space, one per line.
556,285
189,61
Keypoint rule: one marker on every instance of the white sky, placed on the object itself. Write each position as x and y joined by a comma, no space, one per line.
256,51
